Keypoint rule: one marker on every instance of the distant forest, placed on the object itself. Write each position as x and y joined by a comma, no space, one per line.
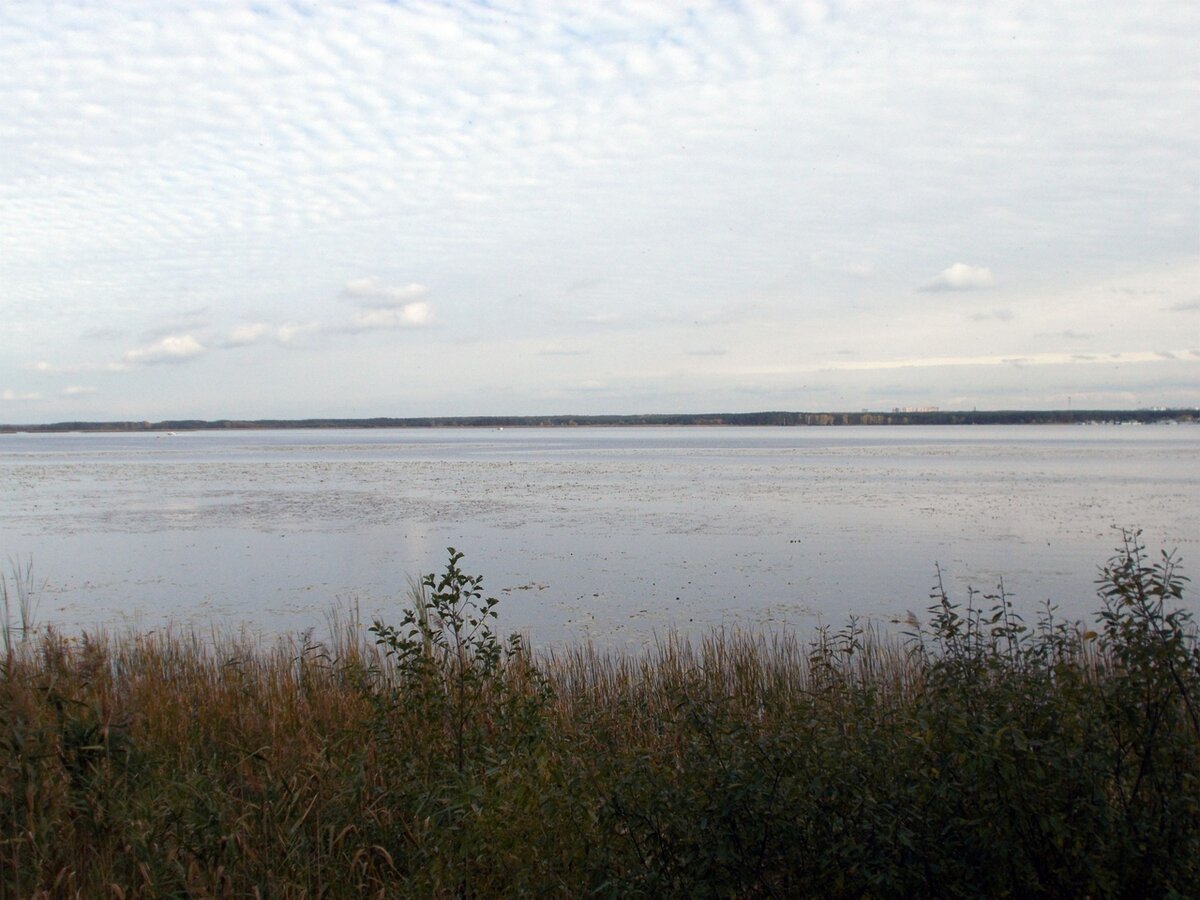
899,417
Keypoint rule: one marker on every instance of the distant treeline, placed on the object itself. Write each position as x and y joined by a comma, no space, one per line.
938,417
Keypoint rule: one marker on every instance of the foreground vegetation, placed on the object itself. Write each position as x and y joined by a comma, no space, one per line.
978,757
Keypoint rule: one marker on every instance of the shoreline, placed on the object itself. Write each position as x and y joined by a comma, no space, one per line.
896,418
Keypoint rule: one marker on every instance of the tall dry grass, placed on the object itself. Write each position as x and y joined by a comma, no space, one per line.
978,757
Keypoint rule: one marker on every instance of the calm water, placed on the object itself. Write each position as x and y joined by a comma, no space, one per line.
608,534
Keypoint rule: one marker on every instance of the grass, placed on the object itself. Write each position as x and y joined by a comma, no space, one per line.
977,756
18,607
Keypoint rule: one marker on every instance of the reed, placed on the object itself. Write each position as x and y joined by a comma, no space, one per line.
18,605
976,755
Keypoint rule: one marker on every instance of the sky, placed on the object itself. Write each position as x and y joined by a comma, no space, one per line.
280,210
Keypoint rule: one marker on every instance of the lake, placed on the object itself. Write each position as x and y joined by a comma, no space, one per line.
604,534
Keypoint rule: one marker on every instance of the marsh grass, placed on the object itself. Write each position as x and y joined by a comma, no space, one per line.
18,605
976,756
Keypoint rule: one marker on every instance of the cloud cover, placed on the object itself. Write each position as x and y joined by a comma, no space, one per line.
364,191
170,349
962,277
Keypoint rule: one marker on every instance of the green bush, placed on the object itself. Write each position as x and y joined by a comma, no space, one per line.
980,757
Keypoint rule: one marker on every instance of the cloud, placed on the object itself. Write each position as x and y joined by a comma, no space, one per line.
370,318
259,332
384,307
707,351
998,315
711,317
49,368
638,159
290,331
249,334
9,394
185,320
103,333
961,277
924,362
373,292
170,349
411,315
584,284
78,390
859,269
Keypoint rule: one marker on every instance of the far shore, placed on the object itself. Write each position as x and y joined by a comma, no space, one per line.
783,419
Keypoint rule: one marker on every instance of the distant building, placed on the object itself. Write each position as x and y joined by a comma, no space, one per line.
914,409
